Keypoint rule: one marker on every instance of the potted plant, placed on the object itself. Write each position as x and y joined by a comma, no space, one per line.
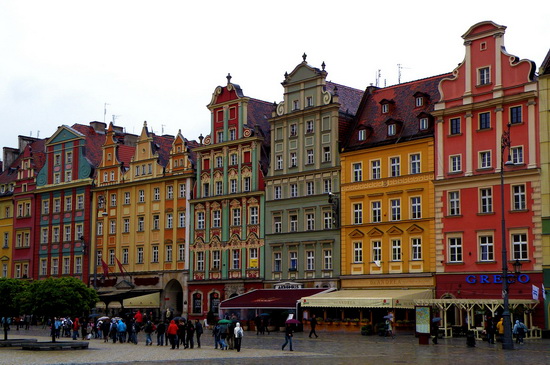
366,330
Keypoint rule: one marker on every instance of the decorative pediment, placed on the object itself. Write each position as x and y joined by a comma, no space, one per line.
64,134
394,230
415,229
375,232
124,284
356,234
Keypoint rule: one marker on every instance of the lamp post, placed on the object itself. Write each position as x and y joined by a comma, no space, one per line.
507,341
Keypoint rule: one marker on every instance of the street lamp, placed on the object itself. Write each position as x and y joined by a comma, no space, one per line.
507,341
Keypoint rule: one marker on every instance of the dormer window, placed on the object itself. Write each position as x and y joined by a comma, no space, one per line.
362,135
419,101
423,124
391,130
385,108
386,105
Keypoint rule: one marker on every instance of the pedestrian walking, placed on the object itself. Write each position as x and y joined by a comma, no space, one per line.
105,327
190,333
198,331
172,332
288,336
181,333
216,332
161,329
500,329
223,337
238,332
76,327
490,329
259,326
313,324
519,331
148,329
389,329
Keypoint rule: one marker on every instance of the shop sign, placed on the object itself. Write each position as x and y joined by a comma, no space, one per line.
496,279
288,285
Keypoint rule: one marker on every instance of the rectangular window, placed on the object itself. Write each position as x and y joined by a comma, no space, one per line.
358,213
200,220
126,225
277,262
517,155
416,208
68,203
326,154
113,200
43,267
233,183
519,246
169,192
455,126
454,202
55,267
278,162
310,159
362,135
423,124
293,159
43,237
181,252
327,259
66,265
486,248
395,166
206,190
357,172
155,254
310,188
327,219
375,170
168,253
78,265
140,255
485,159
309,126
310,260
516,115
484,120
99,230
56,205
169,220
310,221
357,252
111,257
376,212
200,261
327,185
519,199
125,256
415,163
236,262
396,250
277,224
293,130
67,235
395,209
181,219
219,188
6,241
392,128
293,223
141,196
141,224
484,76
219,161
455,163
485,200
247,184
236,217
293,260
455,249
112,226
416,248
79,202
216,218
253,215
45,208
181,190
216,260
293,190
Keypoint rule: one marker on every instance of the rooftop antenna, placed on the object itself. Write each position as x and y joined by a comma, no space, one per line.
162,128
399,68
378,74
105,111
38,134
115,117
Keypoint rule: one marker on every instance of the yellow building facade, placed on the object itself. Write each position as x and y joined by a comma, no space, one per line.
6,231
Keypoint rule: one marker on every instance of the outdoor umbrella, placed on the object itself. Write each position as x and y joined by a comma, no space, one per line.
388,317
224,321
93,315
293,321
102,318
265,314
436,319
178,319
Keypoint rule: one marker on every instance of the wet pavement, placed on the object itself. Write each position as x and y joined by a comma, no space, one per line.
329,349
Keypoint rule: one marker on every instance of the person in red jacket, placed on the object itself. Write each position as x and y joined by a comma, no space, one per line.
139,318
76,327
172,332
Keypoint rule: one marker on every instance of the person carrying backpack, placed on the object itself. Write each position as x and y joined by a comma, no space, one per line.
148,329
238,331
519,330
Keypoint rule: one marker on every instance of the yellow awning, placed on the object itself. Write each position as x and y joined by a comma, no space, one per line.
367,298
100,305
144,301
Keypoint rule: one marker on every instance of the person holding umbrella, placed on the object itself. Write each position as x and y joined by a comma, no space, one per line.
288,335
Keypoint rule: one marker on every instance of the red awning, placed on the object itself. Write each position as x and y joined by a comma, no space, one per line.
269,298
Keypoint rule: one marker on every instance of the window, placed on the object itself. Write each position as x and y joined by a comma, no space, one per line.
55,267
277,261
99,229
416,208
253,215
278,162
233,183
518,197
327,219
141,196
219,188
78,265
395,209
326,154
236,254
396,250
310,188
200,261
423,124
220,136
415,163
419,101
327,259
236,217
216,218
57,159
293,260
219,161
293,159
293,190
357,252
140,255
113,200
376,251
385,108
45,208
485,159
68,157
200,220
6,241
295,105
99,258
516,115
454,203
181,252
43,267
79,202
416,249
455,249
455,163
56,205
169,192
277,224
484,120
362,135
293,223
309,101
155,254
310,260
206,190
57,178
141,224
68,176
310,159
357,172
309,126
395,166
375,170
293,130
112,176
126,225
169,221
376,212
310,221
216,259
181,219
112,226
247,184
358,213
327,185
486,200
486,248
519,246
517,155
66,265
392,129
43,237
484,76
125,256
455,126
232,134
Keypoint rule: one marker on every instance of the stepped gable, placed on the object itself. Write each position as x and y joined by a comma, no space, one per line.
33,150
94,143
402,111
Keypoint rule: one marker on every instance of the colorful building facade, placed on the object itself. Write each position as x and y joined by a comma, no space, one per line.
487,128
227,248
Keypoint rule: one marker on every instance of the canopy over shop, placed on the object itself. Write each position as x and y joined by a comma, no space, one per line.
129,299
472,314
351,302
277,303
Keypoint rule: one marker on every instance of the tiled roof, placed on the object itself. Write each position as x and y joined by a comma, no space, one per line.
402,111
259,112
163,145
94,143
125,154
349,97
545,67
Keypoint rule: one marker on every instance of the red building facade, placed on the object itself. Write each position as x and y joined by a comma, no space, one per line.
492,95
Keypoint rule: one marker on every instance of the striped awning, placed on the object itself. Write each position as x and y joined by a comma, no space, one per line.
367,298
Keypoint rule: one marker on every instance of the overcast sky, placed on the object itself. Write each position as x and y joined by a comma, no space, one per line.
160,61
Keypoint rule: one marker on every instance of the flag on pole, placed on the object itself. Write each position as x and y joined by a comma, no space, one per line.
121,268
535,292
543,292
105,268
